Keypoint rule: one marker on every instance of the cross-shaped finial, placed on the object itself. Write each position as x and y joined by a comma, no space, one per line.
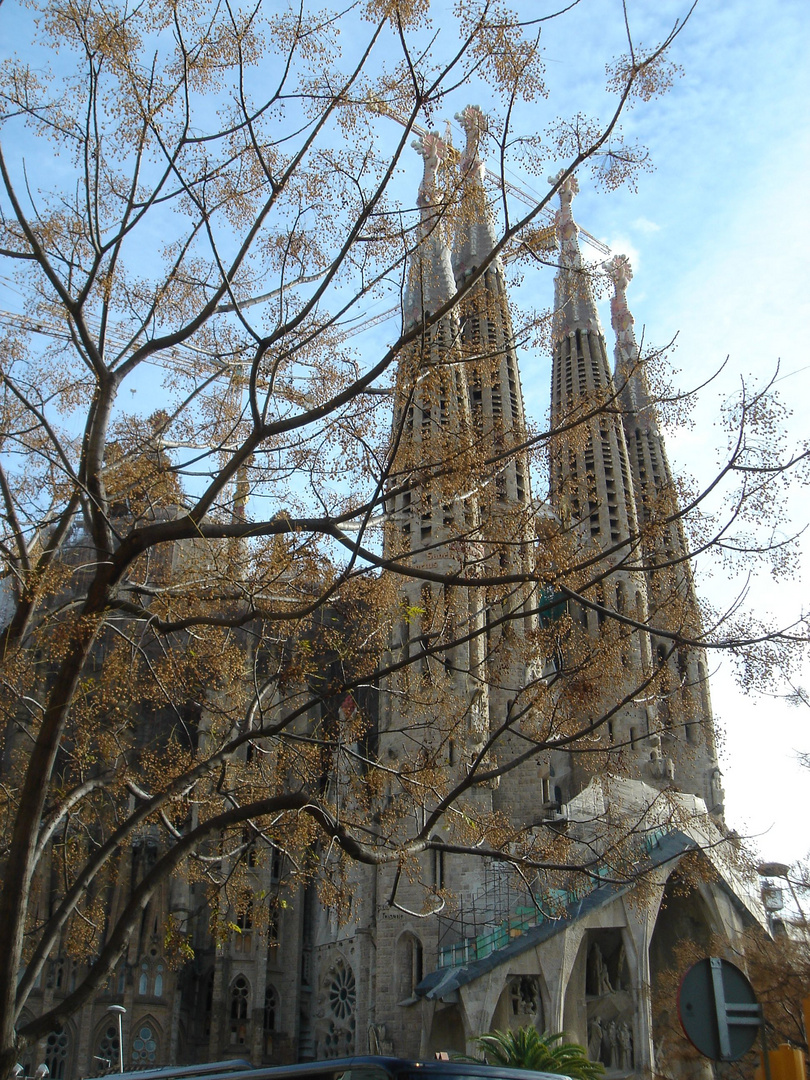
620,273
434,150
567,231
474,124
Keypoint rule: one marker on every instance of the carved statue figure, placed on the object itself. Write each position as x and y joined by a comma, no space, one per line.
525,996
622,971
625,1037
610,1044
598,980
595,1039
378,1041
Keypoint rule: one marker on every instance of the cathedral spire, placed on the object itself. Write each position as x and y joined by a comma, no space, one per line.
685,711
474,124
475,235
430,273
432,424
567,228
629,374
497,415
487,338
621,274
433,517
640,414
574,305
432,148
591,486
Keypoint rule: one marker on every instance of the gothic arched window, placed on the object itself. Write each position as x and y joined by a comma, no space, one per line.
409,964
272,929
270,1019
243,932
240,992
57,1045
144,1046
108,1049
342,996
270,1009
56,972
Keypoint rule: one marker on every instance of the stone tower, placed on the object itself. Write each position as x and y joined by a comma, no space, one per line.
507,512
687,727
432,506
434,712
611,483
591,489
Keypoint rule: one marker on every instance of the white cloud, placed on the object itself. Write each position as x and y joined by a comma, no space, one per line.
644,225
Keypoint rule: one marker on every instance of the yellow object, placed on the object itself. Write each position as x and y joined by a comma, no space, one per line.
787,1063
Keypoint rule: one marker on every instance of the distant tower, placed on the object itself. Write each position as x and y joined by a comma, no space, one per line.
434,711
685,709
592,492
501,440
488,344
432,510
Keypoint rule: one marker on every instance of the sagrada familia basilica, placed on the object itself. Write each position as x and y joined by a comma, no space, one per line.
585,957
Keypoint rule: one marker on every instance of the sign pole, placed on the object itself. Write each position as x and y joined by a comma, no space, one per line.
766,1059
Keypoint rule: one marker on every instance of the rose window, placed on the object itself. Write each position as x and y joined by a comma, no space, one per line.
342,992
108,1047
144,1047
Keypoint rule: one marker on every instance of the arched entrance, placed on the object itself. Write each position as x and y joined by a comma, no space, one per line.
685,931
447,1031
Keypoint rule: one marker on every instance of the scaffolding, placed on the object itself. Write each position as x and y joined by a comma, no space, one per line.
505,908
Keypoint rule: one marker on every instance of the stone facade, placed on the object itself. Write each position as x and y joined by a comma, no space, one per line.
414,984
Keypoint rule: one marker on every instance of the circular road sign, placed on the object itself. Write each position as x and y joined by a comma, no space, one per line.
718,1009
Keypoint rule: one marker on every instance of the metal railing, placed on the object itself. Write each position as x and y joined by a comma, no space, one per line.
550,906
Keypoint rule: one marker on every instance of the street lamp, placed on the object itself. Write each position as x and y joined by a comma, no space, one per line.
120,1010
782,871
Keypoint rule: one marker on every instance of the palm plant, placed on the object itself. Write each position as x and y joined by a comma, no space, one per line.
526,1048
